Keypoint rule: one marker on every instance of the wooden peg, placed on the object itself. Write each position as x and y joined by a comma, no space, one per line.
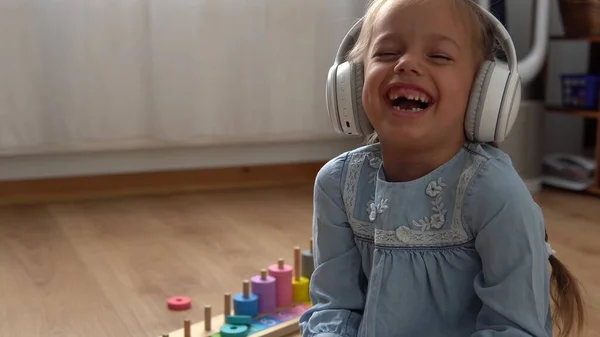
280,263
246,289
207,317
297,263
187,328
310,245
227,305
263,274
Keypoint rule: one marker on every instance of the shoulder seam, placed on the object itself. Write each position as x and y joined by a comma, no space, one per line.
342,174
468,148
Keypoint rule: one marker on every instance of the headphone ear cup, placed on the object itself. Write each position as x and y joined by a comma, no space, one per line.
476,102
364,124
331,99
510,107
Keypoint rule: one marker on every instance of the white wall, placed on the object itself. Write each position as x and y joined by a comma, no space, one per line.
27,166
565,56
45,166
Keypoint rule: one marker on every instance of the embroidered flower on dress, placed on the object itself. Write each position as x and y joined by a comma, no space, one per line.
383,205
403,234
375,163
434,188
438,219
374,209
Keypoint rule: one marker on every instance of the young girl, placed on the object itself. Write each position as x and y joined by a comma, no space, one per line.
423,233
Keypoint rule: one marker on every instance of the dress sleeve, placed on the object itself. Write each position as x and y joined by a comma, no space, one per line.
514,282
337,283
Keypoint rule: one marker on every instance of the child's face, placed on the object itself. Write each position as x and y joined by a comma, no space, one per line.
424,51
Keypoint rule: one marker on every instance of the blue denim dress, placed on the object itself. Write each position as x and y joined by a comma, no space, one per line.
459,252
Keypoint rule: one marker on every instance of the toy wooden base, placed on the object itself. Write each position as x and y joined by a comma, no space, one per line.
281,323
280,293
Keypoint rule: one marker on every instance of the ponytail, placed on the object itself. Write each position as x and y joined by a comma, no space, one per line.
568,313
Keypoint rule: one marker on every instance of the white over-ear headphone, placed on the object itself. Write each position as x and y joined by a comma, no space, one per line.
493,105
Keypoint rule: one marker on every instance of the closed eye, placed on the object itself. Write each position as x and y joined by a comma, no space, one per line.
385,54
442,57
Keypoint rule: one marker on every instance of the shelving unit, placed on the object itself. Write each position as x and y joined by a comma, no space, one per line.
582,113
592,39
591,115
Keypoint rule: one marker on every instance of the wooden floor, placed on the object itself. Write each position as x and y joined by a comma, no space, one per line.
105,268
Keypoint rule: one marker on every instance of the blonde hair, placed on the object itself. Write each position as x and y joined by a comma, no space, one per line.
568,313
484,36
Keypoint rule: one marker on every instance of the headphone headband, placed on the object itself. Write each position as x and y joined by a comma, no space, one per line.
348,42
500,34
503,37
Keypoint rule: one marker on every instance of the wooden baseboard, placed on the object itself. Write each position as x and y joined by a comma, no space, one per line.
155,183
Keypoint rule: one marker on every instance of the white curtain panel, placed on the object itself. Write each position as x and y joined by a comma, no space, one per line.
111,74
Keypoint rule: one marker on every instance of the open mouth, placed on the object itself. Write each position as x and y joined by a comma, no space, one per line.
409,100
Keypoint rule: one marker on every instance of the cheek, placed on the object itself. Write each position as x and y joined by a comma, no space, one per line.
373,80
456,90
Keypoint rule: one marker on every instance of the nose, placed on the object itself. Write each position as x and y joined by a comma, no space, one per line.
408,64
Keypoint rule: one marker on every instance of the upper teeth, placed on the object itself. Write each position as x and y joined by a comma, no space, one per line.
420,97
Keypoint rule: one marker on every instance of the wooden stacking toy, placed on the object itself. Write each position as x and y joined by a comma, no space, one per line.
299,283
269,304
265,287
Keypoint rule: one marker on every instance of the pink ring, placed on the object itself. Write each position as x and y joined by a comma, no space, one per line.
179,303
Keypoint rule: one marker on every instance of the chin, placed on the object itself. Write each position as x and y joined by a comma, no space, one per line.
405,134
